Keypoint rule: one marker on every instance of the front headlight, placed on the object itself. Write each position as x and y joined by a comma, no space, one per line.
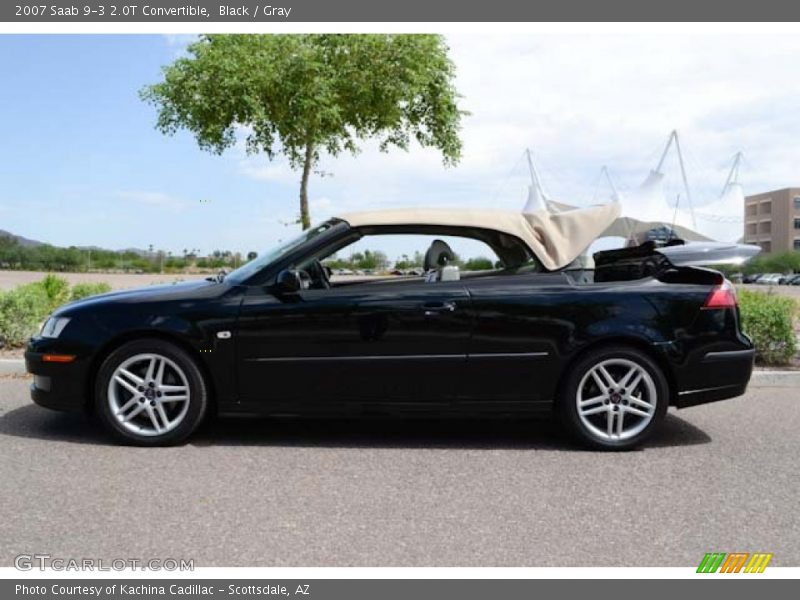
54,326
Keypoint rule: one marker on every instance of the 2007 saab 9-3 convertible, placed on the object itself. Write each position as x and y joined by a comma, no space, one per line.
609,348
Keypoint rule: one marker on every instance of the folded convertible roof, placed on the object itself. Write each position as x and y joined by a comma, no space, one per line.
556,239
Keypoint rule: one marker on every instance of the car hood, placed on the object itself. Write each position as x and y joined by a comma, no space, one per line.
186,290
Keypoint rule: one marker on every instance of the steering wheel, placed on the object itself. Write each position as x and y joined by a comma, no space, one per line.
319,275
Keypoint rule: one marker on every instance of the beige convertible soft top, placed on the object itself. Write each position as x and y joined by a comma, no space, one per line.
556,239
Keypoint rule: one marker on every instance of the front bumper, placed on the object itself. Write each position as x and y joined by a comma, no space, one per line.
718,376
59,386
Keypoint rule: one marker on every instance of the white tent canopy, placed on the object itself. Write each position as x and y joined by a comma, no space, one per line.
722,218
646,207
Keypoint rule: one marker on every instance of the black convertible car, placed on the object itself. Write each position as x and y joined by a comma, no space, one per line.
609,348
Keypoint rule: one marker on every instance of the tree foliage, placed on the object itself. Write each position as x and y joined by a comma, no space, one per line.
300,95
478,263
44,257
778,262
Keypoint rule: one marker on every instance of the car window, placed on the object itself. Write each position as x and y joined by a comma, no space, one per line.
398,255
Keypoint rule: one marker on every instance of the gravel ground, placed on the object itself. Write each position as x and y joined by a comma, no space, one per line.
118,281
720,477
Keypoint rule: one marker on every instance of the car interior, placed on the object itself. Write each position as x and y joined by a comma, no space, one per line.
508,254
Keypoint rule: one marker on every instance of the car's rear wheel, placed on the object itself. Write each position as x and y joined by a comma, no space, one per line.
150,393
614,398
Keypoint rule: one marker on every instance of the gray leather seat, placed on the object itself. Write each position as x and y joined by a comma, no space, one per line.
437,263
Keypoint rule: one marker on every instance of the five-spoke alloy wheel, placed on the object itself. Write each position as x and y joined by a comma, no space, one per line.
150,392
614,398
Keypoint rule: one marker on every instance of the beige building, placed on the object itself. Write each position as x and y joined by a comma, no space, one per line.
772,220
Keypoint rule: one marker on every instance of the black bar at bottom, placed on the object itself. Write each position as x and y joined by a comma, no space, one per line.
393,589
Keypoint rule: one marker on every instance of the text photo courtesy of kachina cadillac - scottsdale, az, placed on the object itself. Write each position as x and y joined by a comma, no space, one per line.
400,300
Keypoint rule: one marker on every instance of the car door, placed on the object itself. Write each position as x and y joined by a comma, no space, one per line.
371,342
513,351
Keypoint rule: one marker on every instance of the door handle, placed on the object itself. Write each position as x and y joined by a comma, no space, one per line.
436,308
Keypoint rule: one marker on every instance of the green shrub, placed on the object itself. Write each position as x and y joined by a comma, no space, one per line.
769,321
56,288
83,290
22,311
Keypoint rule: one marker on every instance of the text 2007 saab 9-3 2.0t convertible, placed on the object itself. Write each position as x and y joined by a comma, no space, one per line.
609,348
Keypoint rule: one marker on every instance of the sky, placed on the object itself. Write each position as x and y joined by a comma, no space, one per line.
82,164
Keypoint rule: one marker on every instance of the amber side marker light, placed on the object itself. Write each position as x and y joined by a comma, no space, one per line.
58,358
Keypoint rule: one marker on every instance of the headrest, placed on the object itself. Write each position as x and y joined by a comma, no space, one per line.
438,255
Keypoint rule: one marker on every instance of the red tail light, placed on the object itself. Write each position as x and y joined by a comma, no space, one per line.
722,296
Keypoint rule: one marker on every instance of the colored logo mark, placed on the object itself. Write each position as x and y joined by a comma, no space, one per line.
736,562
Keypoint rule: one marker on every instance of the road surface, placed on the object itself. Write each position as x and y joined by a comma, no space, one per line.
721,477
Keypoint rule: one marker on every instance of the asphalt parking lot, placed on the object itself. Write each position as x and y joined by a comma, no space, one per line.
722,477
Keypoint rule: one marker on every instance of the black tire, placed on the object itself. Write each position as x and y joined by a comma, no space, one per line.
567,403
197,398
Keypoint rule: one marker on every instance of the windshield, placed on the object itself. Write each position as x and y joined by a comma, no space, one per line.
254,266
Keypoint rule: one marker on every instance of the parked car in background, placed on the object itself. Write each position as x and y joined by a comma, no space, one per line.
751,278
769,279
774,279
786,278
795,280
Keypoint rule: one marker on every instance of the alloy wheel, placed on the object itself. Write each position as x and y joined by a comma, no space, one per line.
616,399
148,394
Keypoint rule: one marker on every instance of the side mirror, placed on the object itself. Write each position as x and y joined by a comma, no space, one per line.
288,282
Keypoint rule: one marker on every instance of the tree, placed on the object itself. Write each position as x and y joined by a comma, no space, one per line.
479,263
300,95
371,259
779,262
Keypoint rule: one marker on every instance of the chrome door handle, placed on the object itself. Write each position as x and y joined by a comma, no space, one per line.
436,308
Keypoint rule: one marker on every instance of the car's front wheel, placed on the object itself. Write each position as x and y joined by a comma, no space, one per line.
614,398
150,393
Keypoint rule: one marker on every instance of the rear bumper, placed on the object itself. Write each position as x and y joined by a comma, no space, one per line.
724,375
59,386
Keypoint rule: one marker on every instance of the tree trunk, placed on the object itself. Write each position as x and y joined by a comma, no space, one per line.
305,217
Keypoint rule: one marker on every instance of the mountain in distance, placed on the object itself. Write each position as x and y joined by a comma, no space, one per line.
28,243
22,241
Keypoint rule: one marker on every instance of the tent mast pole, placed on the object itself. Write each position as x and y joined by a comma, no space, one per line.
733,174
535,180
685,179
672,136
610,183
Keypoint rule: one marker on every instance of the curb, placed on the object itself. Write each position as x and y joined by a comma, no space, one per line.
761,378
768,379
12,366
